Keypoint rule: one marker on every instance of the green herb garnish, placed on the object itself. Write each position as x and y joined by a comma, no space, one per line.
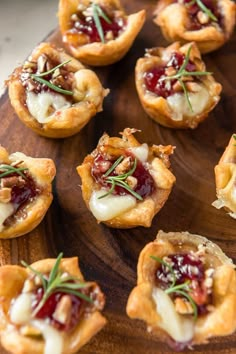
205,9
182,289
8,170
119,180
234,136
56,282
183,72
38,78
97,13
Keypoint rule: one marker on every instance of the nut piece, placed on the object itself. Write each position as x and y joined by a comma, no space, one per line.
132,182
124,166
202,17
183,307
5,195
28,330
63,309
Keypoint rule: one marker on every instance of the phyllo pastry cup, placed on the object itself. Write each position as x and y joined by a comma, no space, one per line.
174,87
54,94
186,290
25,192
98,32
208,23
225,177
125,183
48,307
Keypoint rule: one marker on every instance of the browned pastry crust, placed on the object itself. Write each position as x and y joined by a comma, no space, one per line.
158,166
98,53
12,279
42,171
159,108
174,21
141,303
225,177
87,99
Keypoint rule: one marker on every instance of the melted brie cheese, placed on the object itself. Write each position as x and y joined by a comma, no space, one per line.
179,104
53,338
20,311
41,104
6,210
141,152
110,206
179,327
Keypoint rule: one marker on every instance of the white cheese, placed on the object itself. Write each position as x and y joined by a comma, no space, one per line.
179,327
179,104
110,206
53,338
41,103
6,210
141,152
20,311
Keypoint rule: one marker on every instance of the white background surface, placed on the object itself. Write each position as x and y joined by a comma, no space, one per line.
23,24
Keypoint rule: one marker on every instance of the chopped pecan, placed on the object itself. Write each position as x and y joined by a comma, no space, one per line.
12,181
5,195
202,17
62,312
132,182
183,307
124,166
41,62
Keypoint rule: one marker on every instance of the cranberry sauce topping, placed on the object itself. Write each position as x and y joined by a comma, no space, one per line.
59,77
198,18
48,309
23,190
153,78
186,267
143,183
86,25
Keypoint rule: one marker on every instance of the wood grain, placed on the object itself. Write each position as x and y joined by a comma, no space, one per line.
109,256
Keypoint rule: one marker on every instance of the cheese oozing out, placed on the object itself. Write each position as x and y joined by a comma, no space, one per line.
42,105
20,314
180,106
180,328
110,206
21,309
141,152
6,210
53,338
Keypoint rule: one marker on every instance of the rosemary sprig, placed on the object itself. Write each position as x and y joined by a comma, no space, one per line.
55,282
8,170
205,9
234,136
119,180
183,72
38,78
97,13
182,289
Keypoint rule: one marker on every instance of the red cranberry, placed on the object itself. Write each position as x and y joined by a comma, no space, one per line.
145,183
153,78
46,312
86,25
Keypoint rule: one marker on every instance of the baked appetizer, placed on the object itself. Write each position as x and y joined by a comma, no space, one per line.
48,308
186,290
173,86
125,183
98,32
209,23
225,176
54,94
25,192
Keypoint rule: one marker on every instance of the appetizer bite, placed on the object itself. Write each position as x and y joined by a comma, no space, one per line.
225,177
174,87
186,290
209,23
48,308
54,94
98,32
25,192
125,183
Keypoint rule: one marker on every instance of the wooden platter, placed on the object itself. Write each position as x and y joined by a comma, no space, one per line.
109,256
